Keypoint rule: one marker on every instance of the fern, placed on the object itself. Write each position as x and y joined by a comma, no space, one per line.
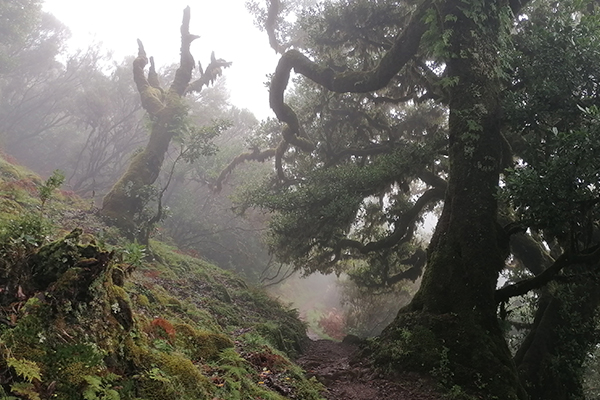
25,389
29,370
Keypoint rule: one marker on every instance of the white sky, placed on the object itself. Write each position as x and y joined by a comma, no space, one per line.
224,26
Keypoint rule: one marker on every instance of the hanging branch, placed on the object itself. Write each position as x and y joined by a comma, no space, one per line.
402,230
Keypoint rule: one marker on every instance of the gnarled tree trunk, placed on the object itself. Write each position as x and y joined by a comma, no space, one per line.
167,110
450,328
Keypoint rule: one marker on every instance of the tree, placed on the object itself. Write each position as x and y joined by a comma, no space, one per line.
112,127
168,114
551,119
35,85
17,19
365,151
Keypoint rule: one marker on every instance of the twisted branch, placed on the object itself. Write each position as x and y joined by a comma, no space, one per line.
402,229
404,48
254,155
591,256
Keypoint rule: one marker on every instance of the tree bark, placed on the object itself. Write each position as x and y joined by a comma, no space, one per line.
450,328
550,361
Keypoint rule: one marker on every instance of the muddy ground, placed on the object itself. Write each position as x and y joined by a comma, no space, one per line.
348,375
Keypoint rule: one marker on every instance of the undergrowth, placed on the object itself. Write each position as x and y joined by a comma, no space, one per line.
85,314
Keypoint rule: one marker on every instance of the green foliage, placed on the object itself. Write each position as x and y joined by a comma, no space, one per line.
312,214
26,369
21,236
197,141
18,18
49,186
98,390
25,389
559,191
132,253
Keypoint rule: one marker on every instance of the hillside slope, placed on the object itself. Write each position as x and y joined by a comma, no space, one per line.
84,314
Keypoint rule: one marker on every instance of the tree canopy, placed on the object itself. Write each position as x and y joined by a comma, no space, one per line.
487,109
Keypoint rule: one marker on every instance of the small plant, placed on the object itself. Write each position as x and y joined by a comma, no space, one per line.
21,236
49,186
133,253
26,369
98,390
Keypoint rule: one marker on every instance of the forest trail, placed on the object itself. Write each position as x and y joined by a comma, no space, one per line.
348,376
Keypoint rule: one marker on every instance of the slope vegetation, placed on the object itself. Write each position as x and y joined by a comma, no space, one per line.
86,314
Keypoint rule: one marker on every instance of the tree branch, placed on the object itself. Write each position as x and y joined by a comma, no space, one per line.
210,75
254,155
591,256
151,98
270,26
417,260
401,229
404,48
183,75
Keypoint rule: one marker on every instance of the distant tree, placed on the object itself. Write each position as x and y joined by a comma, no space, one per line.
37,88
17,20
108,119
202,221
168,113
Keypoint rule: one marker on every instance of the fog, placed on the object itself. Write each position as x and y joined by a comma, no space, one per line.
70,104
224,27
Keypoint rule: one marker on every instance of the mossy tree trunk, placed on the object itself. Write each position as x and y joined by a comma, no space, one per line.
551,359
451,328
167,110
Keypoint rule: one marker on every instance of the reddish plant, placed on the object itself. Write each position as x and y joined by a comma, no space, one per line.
166,326
333,324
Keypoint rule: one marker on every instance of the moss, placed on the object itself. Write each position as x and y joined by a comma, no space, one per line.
287,338
200,345
442,346
410,345
85,329
143,301
10,171
185,374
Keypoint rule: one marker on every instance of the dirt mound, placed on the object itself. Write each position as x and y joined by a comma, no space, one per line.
348,376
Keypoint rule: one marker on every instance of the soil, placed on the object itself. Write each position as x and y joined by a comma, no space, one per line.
348,375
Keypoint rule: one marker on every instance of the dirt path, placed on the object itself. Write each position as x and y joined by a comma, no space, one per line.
349,377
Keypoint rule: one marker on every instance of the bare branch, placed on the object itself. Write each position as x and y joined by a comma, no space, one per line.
432,179
254,155
152,98
280,151
270,26
183,75
153,76
210,75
